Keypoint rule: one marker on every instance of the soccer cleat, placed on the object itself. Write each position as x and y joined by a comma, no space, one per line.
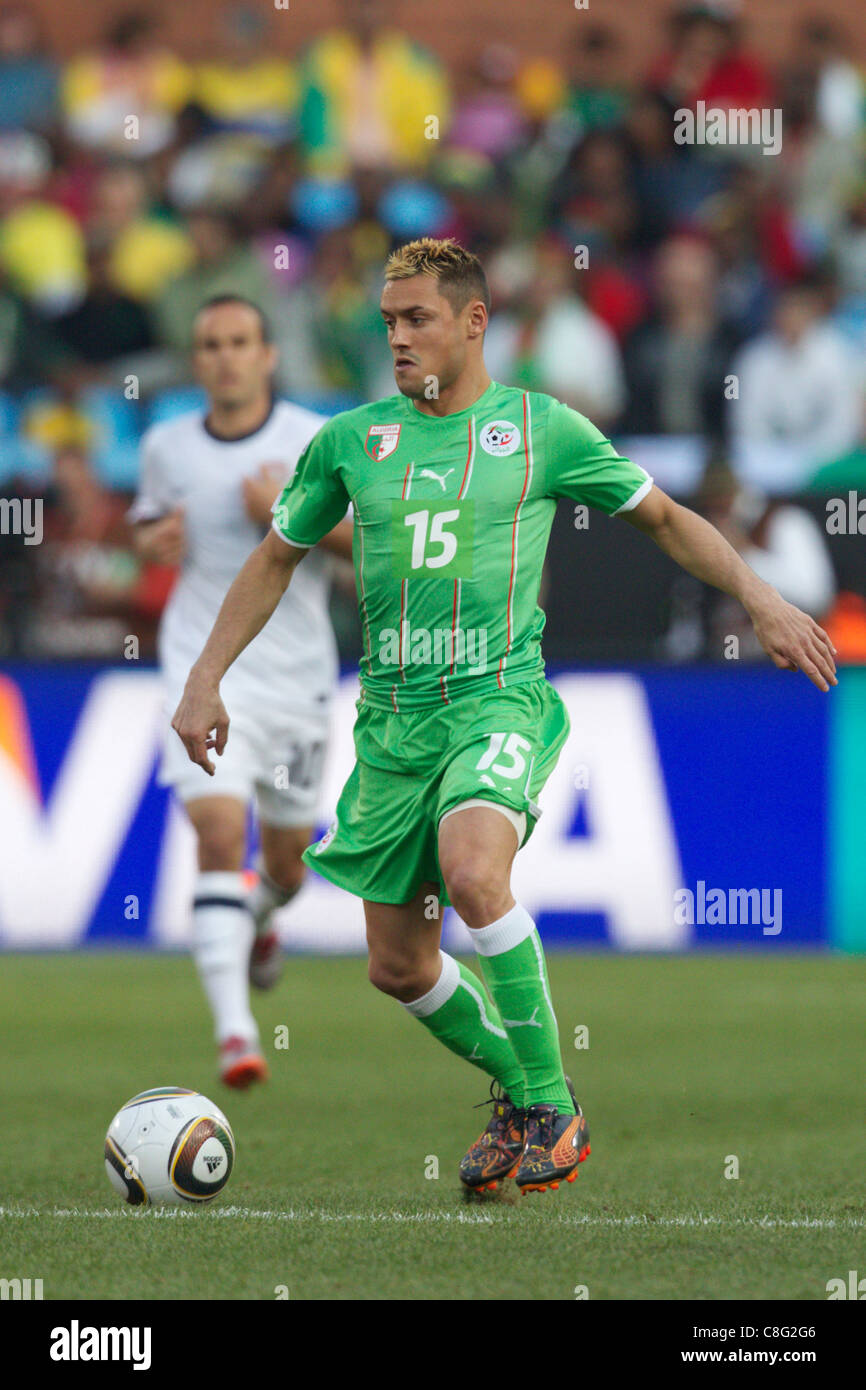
495,1155
241,1063
266,960
555,1145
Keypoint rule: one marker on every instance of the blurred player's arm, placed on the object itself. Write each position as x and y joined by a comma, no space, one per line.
792,639
200,719
158,535
261,491
160,541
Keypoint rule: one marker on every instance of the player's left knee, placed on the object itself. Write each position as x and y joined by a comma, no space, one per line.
476,891
401,979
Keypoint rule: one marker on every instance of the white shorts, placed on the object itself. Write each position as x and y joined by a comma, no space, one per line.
281,768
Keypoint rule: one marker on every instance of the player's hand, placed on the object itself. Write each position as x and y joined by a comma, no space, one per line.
163,542
795,642
261,491
201,722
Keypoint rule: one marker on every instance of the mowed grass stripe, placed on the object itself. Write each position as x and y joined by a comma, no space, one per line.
471,1218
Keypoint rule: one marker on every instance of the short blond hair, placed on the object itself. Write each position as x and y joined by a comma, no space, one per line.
459,273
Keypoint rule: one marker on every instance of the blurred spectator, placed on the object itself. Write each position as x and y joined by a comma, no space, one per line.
824,121
597,96
28,75
745,287
223,265
676,362
819,179
670,183
91,592
850,245
56,420
366,94
106,326
130,76
821,59
781,542
593,201
270,203
550,341
540,87
800,387
616,257
707,62
247,88
481,201
339,303
775,234
41,245
28,351
146,251
594,207
752,232
487,115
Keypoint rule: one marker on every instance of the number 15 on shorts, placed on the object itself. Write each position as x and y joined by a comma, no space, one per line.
505,757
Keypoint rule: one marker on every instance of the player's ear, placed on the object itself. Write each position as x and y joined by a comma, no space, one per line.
477,313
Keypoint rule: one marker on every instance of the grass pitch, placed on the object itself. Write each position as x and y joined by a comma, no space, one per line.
693,1062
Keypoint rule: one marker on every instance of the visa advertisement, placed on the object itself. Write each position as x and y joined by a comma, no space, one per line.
689,808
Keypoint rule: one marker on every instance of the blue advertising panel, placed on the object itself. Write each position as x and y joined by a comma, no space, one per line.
688,808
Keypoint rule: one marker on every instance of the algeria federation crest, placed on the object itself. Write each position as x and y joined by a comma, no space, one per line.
500,437
381,441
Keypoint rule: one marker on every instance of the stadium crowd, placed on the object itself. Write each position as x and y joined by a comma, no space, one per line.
711,296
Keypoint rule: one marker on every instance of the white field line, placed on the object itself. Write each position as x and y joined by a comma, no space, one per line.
698,1222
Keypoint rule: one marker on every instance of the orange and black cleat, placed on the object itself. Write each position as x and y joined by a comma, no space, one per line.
555,1145
495,1155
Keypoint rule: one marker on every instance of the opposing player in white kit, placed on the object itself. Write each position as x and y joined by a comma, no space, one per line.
207,484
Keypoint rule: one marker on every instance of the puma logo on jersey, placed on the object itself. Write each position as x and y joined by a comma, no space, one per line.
531,1022
429,473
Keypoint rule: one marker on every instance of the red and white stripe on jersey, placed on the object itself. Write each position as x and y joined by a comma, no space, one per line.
365,616
404,591
458,583
527,479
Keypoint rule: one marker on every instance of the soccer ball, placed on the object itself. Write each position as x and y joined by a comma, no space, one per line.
169,1146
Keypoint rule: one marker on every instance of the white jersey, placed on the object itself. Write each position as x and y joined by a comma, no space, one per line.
291,667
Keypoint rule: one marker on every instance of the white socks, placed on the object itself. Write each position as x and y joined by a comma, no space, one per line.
222,936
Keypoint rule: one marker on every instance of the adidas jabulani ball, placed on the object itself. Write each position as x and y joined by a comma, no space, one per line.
167,1147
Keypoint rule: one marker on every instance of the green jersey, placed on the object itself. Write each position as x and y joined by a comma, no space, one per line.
452,517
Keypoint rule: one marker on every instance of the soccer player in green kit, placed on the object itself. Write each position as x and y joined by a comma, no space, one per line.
453,483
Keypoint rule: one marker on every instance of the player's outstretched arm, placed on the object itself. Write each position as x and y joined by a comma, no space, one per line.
200,719
792,639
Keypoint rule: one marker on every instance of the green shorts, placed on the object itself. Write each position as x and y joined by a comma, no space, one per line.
415,766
